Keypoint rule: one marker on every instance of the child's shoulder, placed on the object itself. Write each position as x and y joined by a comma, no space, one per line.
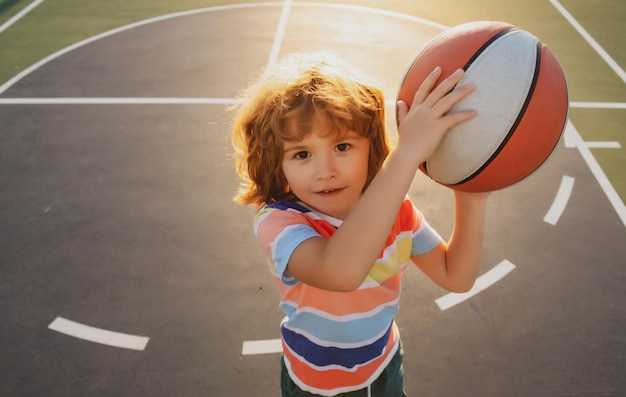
281,213
279,216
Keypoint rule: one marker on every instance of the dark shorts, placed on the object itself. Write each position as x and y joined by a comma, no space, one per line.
388,384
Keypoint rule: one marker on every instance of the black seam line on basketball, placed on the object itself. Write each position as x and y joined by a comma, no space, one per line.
560,135
487,44
467,65
518,120
483,48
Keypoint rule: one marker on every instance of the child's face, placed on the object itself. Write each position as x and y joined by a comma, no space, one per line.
326,171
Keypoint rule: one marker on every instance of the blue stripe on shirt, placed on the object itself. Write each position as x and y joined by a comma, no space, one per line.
322,356
425,239
284,247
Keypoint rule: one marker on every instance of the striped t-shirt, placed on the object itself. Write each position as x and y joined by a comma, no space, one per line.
336,342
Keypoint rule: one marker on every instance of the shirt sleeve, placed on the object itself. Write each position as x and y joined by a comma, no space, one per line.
425,238
280,232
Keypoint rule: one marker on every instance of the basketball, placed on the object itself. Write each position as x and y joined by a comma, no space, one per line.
521,97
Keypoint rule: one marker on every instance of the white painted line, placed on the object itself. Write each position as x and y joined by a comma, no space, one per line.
600,176
560,200
202,101
208,101
594,44
280,32
118,101
9,83
19,15
377,11
570,136
483,282
268,346
98,335
603,145
598,105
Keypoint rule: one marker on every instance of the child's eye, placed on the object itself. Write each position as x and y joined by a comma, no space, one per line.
342,147
301,155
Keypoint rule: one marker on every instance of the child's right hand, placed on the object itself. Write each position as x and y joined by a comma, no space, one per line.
422,127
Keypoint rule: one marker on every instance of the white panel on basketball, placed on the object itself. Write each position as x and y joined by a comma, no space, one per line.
503,75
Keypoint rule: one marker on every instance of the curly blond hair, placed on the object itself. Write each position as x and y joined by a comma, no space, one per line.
280,106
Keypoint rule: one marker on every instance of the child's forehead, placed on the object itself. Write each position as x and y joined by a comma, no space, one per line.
297,128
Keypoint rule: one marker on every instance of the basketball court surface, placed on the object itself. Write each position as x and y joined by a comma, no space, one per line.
127,270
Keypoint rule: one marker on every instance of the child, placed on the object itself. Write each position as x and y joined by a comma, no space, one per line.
335,221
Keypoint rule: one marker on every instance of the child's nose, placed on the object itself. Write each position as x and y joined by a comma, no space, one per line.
325,167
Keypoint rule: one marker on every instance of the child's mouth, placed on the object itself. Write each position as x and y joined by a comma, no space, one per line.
330,192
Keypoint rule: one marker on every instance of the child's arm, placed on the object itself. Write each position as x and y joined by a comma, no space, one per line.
342,262
454,266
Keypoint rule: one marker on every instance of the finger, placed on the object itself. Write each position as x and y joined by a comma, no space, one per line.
444,87
402,110
452,98
452,119
427,86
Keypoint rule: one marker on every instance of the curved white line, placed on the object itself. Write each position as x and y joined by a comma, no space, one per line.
90,40
560,200
98,335
377,11
9,83
482,283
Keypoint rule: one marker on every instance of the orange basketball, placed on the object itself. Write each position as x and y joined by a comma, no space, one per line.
521,97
